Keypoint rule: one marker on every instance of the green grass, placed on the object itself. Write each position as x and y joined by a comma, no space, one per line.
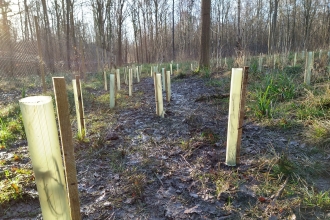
12,182
11,125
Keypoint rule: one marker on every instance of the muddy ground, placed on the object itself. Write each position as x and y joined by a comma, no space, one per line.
136,165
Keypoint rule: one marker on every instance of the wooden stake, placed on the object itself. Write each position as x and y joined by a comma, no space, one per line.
156,96
105,81
328,61
63,114
118,79
163,79
308,70
260,63
125,75
79,106
241,112
159,95
112,90
233,116
130,83
137,74
168,86
41,61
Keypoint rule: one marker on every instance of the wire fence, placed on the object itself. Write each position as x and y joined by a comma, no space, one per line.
21,65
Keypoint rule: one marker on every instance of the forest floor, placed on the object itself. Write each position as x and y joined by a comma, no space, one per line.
136,165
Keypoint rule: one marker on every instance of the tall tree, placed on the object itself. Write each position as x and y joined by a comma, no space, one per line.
204,61
49,44
120,20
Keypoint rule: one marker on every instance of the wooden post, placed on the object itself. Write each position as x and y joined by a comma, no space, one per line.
171,69
125,75
156,96
260,63
234,115
241,112
168,86
79,106
63,114
328,61
105,81
130,83
308,69
41,61
137,74
159,95
112,90
118,79
163,79
151,73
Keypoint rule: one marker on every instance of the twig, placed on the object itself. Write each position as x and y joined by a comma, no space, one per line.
277,195
187,162
279,192
159,179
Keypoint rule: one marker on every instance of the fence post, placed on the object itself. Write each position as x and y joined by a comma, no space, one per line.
64,124
41,61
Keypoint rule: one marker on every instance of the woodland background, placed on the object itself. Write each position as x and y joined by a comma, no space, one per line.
108,33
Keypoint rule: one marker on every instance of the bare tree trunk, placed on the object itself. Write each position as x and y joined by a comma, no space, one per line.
58,27
204,61
73,36
173,48
68,34
49,44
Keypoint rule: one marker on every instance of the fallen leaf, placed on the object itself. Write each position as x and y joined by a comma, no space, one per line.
16,157
15,187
